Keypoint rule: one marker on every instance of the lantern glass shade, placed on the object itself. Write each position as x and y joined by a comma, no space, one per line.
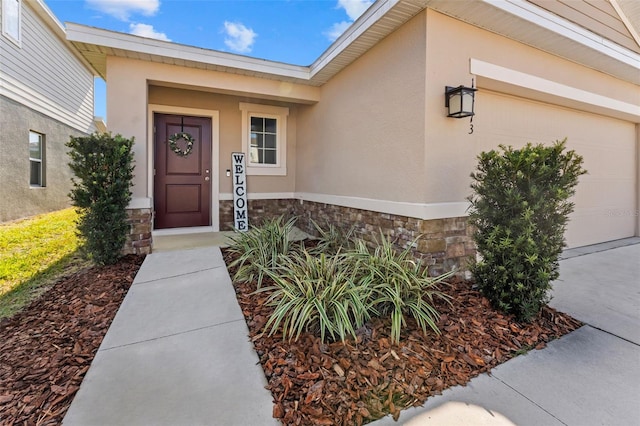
459,100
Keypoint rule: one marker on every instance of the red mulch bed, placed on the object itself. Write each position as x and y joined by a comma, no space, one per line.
334,384
46,349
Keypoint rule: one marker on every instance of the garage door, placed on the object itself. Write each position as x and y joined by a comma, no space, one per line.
605,201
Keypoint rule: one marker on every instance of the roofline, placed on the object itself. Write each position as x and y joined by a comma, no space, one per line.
625,19
373,14
520,9
567,29
117,40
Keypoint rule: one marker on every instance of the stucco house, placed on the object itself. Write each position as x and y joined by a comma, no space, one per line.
362,137
46,95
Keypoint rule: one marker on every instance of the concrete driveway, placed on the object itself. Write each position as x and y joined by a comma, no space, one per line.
588,377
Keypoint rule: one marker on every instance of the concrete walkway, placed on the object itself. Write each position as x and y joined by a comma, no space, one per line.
177,353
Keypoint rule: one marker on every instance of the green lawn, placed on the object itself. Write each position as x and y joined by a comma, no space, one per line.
35,253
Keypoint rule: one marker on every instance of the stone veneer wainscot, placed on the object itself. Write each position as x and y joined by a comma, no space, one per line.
443,243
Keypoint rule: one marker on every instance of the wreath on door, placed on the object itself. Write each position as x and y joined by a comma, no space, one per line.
173,143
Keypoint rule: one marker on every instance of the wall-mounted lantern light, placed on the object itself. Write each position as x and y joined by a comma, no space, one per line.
459,101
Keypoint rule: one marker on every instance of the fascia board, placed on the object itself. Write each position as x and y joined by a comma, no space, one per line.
538,16
361,25
625,21
127,42
47,15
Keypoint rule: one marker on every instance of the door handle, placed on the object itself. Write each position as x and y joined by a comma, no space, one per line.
206,179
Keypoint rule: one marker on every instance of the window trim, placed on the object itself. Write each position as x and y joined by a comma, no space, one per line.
266,111
5,18
41,160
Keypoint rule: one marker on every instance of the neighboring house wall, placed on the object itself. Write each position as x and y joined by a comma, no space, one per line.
44,88
17,198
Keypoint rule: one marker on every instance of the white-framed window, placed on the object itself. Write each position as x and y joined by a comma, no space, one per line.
264,138
36,160
11,20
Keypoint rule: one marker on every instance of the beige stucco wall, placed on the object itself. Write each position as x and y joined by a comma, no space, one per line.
127,112
372,135
378,131
608,145
230,138
365,138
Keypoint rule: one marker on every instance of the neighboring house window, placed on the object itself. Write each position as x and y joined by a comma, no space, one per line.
264,138
36,159
11,20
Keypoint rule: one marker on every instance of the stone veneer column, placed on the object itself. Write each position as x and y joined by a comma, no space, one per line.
139,240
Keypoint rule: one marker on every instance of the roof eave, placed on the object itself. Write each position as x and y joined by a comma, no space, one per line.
541,29
123,43
382,18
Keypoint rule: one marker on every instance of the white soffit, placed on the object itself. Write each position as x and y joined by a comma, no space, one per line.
541,29
380,20
377,22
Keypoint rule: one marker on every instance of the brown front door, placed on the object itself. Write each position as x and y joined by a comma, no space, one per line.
182,183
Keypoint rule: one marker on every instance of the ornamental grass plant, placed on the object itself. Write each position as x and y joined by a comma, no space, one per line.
332,239
398,286
336,286
259,249
319,294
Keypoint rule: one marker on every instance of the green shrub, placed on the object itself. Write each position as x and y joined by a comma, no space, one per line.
316,294
399,286
332,239
520,207
103,168
259,248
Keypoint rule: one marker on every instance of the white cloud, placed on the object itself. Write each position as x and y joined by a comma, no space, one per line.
123,9
353,8
239,38
337,29
145,30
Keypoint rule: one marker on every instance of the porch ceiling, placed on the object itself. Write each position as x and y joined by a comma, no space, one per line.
517,19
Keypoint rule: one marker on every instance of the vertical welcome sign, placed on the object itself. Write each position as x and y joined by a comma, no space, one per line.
240,217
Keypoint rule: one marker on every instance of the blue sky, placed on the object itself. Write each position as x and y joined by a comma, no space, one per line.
291,31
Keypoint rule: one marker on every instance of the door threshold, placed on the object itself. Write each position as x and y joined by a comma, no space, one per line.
182,231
